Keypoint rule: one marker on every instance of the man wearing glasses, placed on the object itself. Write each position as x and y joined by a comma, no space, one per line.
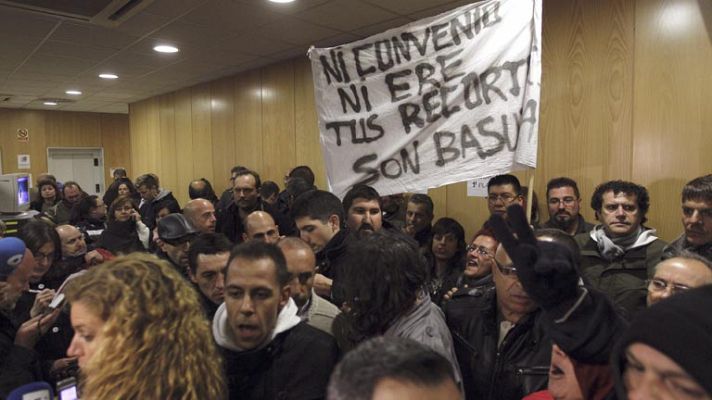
493,330
301,264
503,191
564,203
696,219
678,274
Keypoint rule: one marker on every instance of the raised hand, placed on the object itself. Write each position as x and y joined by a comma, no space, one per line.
547,270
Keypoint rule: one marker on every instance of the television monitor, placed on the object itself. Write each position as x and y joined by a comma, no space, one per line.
14,193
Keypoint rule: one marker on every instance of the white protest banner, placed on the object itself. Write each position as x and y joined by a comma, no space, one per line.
445,99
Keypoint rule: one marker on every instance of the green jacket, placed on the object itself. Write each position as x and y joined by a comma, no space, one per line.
622,279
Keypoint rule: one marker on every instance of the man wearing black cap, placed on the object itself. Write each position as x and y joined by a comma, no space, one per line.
176,233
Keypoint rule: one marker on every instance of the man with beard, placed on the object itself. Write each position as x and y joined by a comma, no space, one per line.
62,211
301,264
564,203
201,214
618,255
362,205
696,219
176,233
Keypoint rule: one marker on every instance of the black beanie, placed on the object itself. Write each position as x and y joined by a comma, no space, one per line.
679,327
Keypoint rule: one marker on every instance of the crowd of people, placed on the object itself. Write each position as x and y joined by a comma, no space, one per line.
262,293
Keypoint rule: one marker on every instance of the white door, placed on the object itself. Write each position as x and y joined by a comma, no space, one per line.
80,164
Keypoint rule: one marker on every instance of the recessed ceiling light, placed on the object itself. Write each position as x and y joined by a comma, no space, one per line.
50,103
281,1
164,48
108,76
73,92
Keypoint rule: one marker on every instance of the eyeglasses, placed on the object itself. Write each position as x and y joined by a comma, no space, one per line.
481,250
554,201
506,270
245,191
660,285
505,197
43,256
303,277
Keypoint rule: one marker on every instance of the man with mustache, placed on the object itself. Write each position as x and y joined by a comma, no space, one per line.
620,253
564,202
696,219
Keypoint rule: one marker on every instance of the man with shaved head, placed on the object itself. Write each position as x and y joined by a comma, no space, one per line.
259,225
301,264
75,255
201,214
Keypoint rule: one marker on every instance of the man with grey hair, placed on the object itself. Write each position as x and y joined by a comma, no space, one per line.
675,275
301,263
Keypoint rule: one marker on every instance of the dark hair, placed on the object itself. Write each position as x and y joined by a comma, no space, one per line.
385,274
36,234
237,168
208,244
699,189
150,181
303,172
254,250
48,182
506,179
401,359
317,204
534,200
297,186
120,172
243,172
446,225
268,189
423,199
360,192
618,186
81,211
562,182
206,192
169,204
119,202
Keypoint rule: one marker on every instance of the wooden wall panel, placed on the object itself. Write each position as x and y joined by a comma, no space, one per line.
34,122
308,146
202,136
248,120
278,127
672,105
116,141
167,149
184,144
222,125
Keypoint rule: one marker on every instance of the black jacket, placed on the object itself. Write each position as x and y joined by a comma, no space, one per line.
518,367
149,210
18,365
331,262
295,365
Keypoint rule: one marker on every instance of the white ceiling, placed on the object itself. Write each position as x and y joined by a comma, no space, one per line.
43,55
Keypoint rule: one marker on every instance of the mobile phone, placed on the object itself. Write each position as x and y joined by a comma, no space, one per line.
67,389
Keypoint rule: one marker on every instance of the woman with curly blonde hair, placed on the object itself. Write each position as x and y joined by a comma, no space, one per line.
140,333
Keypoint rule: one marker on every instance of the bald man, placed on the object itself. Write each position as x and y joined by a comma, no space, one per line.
74,249
678,274
201,214
301,264
259,225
